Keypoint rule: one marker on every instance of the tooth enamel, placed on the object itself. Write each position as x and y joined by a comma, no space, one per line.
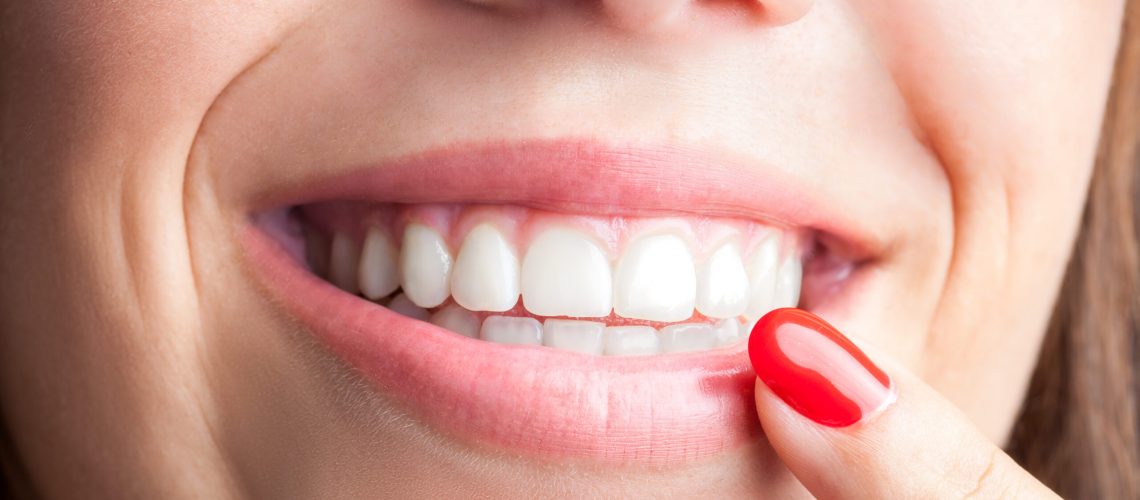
458,320
486,275
565,274
511,330
630,341
378,275
722,284
687,337
655,280
762,278
727,331
344,257
400,304
788,280
578,336
425,266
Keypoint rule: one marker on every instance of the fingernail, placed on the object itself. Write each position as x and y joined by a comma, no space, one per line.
815,369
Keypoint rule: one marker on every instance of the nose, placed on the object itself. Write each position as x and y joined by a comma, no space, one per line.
652,15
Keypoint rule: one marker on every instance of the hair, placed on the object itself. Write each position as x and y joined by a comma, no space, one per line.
1078,428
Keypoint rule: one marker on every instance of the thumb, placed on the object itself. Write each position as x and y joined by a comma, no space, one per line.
849,429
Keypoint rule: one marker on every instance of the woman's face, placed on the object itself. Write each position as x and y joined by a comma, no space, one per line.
182,183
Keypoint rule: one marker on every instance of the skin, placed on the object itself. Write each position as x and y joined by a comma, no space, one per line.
138,358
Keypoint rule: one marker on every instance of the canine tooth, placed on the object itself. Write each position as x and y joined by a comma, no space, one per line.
727,331
565,274
788,281
458,320
425,266
762,278
511,330
572,335
344,257
631,341
378,273
486,275
655,280
722,284
687,337
400,304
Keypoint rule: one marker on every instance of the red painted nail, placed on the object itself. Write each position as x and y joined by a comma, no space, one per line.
815,369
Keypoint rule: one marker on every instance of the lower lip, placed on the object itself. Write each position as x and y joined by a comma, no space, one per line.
656,411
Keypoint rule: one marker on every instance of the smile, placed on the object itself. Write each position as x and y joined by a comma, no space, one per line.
548,319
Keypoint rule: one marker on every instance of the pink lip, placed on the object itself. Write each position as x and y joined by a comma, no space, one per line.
658,411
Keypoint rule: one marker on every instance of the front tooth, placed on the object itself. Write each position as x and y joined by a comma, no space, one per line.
344,258
458,320
566,274
687,337
400,304
655,280
378,276
425,266
722,285
631,341
578,336
486,276
511,330
762,278
727,331
788,280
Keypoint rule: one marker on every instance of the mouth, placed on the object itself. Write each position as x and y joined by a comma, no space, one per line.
555,299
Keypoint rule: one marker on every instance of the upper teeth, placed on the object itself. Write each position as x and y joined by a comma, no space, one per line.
660,276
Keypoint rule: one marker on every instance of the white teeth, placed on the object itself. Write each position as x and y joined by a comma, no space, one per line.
727,331
458,320
565,274
630,341
571,335
762,277
687,337
511,330
401,305
425,266
788,280
722,285
486,275
344,256
378,275
655,280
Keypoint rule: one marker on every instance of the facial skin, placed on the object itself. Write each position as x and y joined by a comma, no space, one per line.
139,357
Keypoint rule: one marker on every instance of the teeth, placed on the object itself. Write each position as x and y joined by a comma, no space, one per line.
655,280
378,276
630,341
344,257
762,277
565,274
722,286
486,276
727,332
400,304
511,330
687,337
425,266
571,335
458,320
788,280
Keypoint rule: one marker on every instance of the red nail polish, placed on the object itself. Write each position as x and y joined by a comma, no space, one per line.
815,369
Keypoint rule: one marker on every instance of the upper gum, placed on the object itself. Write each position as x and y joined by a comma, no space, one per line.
521,225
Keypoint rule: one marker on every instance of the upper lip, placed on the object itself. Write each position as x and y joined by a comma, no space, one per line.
657,410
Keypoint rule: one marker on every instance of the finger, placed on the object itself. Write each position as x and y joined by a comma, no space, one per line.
849,429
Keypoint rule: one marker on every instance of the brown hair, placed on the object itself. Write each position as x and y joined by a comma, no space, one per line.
1078,429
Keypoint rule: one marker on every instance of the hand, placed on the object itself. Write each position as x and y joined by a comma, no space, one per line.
849,429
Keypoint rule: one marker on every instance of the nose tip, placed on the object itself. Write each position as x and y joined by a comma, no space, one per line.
657,14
